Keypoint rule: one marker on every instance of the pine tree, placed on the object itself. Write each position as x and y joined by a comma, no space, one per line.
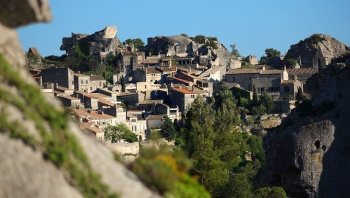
167,129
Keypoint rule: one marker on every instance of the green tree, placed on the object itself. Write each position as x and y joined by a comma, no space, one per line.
268,192
167,130
290,63
234,51
122,82
299,96
263,60
267,101
271,53
115,133
137,42
255,97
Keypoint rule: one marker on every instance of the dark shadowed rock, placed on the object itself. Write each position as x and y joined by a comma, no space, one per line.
308,155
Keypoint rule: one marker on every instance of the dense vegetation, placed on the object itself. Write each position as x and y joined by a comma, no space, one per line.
225,160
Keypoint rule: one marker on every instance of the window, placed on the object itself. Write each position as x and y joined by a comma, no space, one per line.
192,96
87,82
81,82
233,79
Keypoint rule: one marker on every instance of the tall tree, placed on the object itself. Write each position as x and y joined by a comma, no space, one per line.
267,101
167,130
234,51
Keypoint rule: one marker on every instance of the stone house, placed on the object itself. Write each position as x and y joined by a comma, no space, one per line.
96,82
82,83
268,81
183,98
154,121
214,74
59,76
289,88
48,89
137,126
90,129
69,101
131,98
99,118
88,100
243,77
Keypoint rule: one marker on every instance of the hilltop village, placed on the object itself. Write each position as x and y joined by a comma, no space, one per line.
165,76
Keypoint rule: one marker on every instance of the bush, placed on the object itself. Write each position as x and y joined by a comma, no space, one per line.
316,38
267,192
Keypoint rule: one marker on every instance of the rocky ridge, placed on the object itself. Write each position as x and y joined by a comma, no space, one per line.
316,51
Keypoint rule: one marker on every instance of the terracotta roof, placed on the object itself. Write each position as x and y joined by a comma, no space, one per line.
302,71
183,91
151,70
243,71
68,97
93,114
150,61
156,117
106,102
95,130
84,125
150,101
34,51
179,79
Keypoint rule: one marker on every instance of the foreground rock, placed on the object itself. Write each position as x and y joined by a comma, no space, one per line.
42,153
308,155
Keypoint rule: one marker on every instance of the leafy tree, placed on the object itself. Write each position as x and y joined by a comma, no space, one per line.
271,53
137,42
238,186
167,130
122,82
290,63
263,60
234,51
115,133
268,192
255,97
267,101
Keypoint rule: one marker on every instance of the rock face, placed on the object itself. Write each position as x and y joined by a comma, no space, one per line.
182,46
43,154
316,51
252,59
101,43
308,155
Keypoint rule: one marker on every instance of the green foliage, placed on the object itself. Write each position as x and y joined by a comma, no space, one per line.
122,82
247,65
137,42
115,133
234,51
199,39
299,96
60,146
167,130
238,186
268,192
167,172
290,63
271,53
263,60
267,101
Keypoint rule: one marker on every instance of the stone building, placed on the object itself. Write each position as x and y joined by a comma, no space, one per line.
243,77
82,83
59,76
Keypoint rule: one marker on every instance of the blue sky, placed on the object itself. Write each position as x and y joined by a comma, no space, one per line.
252,25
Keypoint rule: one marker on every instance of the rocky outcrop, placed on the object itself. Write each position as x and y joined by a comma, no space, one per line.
182,46
43,154
101,43
252,59
316,51
308,154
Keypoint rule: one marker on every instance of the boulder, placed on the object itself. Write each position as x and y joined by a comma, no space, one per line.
43,154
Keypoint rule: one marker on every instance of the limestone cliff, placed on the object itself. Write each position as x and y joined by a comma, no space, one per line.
316,51
182,46
308,154
43,154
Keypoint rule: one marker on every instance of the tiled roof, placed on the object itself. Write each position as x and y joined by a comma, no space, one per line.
155,117
84,125
151,70
288,81
179,79
243,71
183,91
68,97
96,78
302,71
272,71
150,101
95,130
35,51
93,114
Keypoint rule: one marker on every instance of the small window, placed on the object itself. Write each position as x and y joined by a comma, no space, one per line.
87,82
82,82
